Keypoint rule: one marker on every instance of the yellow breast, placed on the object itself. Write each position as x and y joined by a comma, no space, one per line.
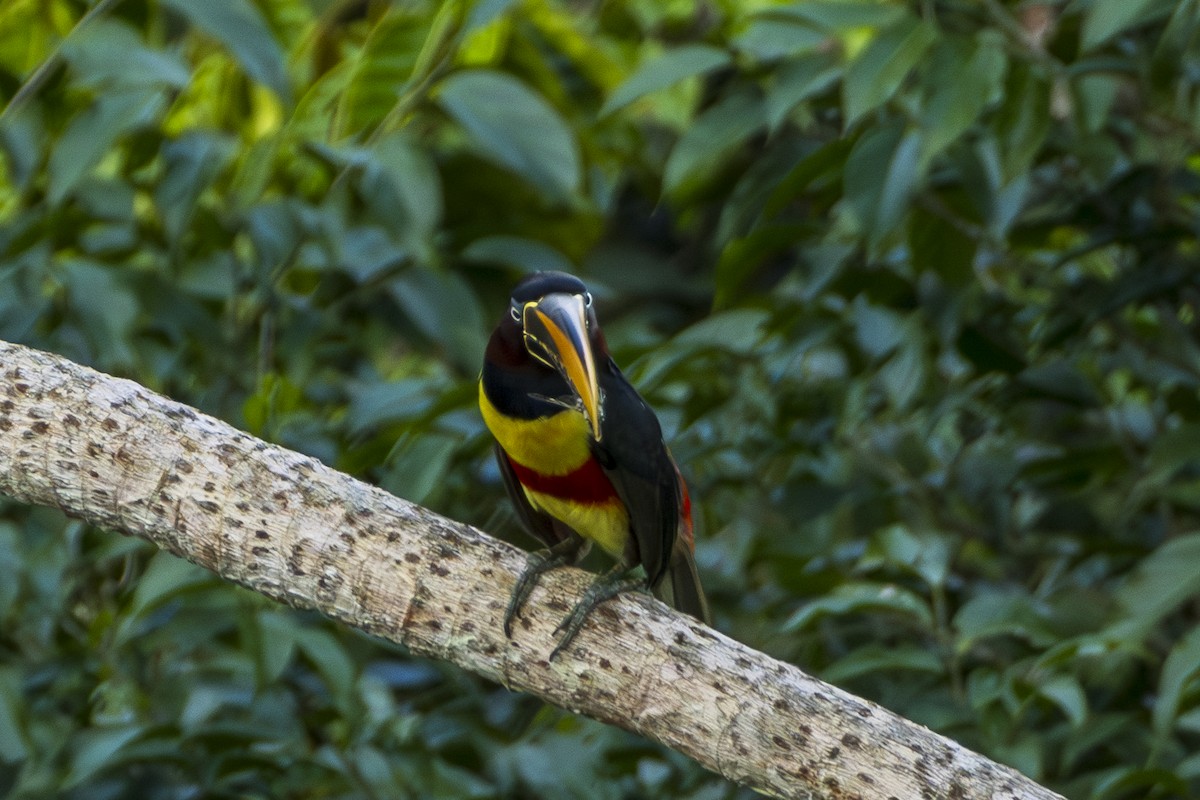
558,445
553,445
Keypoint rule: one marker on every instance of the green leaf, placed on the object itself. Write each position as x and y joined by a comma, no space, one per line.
111,52
417,185
1162,581
277,643
1179,672
190,163
165,578
707,144
872,658
1096,95
526,255
376,403
743,256
769,37
14,739
837,16
995,613
93,132
383,65
826,163
327,653
878,330
941,246
797,80
22,140
860,598
105,304
875,75
925,554
1066,693
881,173
1133,781
739,331
1106,18
952,106
240,26
419,465
365,252
444,308
516,128
904,375
95,749
1023,121
668,69
1174,449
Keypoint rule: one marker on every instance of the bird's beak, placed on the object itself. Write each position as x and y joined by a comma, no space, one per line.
556,333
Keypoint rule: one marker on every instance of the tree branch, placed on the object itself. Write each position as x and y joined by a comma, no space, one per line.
122,457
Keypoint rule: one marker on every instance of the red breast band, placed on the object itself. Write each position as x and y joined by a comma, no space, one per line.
586,484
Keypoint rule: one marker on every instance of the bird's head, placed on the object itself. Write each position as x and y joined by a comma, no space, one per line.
551,314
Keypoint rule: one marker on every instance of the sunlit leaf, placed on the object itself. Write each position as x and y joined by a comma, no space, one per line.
382,66
668,69
239,26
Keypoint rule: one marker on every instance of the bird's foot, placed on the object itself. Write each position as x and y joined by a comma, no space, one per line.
561,554
606,586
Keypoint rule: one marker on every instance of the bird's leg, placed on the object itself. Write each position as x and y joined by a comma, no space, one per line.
608,585
568,551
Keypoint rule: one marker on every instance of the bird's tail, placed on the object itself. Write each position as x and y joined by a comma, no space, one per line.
680,587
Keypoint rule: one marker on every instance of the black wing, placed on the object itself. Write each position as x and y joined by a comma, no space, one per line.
540,525
633,456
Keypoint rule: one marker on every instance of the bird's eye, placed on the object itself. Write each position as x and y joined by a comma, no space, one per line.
587,299
515,312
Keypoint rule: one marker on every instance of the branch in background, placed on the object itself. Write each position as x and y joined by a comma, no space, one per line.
122,457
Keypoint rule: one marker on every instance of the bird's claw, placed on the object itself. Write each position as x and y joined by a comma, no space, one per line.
565,552
603,588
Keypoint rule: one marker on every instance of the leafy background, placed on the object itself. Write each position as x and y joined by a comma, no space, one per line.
913,287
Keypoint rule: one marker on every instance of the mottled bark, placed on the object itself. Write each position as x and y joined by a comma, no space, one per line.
122,457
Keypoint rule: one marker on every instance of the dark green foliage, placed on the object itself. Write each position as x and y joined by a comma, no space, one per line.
913,287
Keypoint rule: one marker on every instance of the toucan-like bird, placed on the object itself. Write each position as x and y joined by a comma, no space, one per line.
581,453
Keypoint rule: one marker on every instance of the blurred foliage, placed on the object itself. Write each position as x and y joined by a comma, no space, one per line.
913,286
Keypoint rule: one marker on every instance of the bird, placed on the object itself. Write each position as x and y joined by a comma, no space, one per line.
582,455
